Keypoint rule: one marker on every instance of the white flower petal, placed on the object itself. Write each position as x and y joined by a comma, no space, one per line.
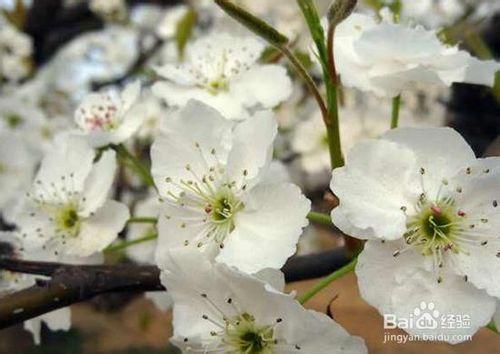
99,230
130,94
482,266
410,281
379,178
267,230
98,183
197,136
252,148
228,105
70,159
442,152
265,86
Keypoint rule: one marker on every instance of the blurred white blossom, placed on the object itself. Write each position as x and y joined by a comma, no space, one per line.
222,71
386,58
109,117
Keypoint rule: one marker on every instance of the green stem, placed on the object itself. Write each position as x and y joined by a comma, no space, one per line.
142,220
302,72
125,244
491,326
134,164
396,105
320,218
323,283
478,46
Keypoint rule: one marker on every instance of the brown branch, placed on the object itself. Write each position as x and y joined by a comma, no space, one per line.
71,284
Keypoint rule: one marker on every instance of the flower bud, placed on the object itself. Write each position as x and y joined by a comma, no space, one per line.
253,23
339,10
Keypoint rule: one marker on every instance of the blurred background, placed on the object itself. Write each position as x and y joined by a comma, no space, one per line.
80,46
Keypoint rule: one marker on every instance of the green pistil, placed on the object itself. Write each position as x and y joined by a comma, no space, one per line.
435,226
13,120
243,335
225,207
218,85
67,219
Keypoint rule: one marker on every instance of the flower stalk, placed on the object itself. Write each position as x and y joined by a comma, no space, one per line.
125,244
396,106
134,164
142,220
327,281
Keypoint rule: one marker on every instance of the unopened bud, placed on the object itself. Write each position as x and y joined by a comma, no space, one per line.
339,10
253,23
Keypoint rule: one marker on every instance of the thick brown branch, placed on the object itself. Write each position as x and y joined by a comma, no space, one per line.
70,284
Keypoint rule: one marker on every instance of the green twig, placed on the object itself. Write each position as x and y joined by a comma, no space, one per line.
125,244
324,47
396,105
134,164
320,218
142,220
323,283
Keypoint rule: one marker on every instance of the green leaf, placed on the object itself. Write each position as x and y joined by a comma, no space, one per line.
253,23
313,22
184,30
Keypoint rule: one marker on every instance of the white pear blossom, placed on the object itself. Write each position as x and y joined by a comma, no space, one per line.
96,56
218,309
430,212
15,53
67,212
17,168
222,71
108,117
29,123
387,58
216,198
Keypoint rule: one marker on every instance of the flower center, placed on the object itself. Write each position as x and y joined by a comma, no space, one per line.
67,219
225,206
218,85
13,120
102,114
435,226
214,200
243,335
